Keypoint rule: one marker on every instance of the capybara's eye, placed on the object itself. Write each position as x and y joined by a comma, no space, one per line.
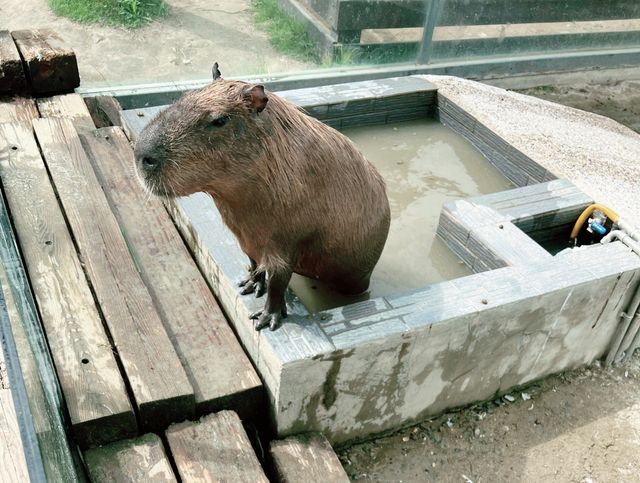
219,121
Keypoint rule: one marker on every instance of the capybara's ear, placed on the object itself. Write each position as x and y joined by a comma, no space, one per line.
216,72
256,98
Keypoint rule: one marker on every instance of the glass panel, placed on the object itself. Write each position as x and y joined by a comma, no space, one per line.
470,29
150,41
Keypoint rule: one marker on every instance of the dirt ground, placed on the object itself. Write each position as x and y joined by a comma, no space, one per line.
182,46
581,427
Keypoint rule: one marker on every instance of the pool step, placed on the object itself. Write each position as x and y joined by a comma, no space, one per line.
215,448
503,229
306,457
140,460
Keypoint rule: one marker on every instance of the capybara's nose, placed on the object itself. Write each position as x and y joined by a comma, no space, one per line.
149,163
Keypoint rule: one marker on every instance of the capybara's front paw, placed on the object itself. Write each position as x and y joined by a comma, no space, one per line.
256,283
263,318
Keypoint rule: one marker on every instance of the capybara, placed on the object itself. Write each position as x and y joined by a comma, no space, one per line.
297,194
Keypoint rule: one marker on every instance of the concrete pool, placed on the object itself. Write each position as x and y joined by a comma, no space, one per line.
382,363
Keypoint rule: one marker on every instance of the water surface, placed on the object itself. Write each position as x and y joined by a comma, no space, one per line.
424,164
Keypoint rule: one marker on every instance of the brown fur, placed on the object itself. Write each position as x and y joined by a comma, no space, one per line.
297,194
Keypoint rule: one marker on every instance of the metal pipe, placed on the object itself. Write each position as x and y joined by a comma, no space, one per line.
634,345
627,317
631,334
629,229
624,238
431,20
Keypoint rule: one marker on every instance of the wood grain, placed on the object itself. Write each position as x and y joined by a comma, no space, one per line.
13,464
17,109
50,64
306,457
220,372
160,386
130,461
105,110
93,387
67,106
214,449
12,78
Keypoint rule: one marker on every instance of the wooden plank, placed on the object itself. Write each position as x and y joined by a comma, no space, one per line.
307,457
134,121
134,460
18,109
50,65
105,110
195,323
67,106
12,78
13,463
214,449
94,390
159,384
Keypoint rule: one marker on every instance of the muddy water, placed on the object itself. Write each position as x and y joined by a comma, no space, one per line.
424,165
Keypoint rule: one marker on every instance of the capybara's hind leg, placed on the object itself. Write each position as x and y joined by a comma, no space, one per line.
255,282
275,308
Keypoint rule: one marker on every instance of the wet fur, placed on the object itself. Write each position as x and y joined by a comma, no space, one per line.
297,194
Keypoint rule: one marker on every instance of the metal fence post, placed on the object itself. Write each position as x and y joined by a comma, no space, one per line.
431,20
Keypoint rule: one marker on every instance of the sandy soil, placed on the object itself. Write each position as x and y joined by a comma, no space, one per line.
182,46
577,427
581,427
619,101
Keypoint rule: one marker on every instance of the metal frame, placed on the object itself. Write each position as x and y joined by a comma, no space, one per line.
147,95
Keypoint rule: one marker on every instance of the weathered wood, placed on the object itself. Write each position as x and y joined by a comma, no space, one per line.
221,374
34,383
214,449
105,110
13,464
17,109
50,65
134,460
94,390
160,386
306,457
12,78
67,106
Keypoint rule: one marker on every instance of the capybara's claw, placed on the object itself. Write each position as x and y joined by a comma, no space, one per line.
260,288
264,318
248,286
255,283
255,315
